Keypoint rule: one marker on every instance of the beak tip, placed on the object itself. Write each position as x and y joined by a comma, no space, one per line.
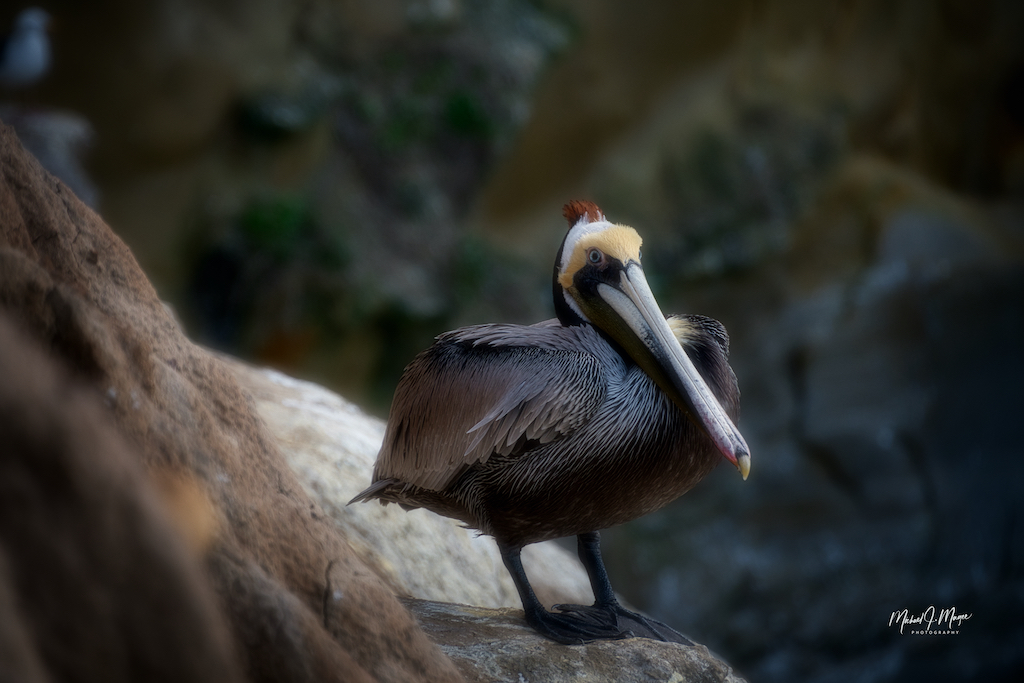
743,465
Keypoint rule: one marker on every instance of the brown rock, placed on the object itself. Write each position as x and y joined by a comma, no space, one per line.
298,603
94,582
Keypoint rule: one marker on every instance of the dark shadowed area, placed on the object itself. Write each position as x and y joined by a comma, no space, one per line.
323,187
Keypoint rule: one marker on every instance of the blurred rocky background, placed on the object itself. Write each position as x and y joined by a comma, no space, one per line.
322,186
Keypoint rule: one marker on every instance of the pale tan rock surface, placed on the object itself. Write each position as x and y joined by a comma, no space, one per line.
331,445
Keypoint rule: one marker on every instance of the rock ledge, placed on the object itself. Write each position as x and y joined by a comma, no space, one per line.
497,645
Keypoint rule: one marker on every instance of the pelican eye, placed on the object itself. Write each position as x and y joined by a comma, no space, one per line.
595,256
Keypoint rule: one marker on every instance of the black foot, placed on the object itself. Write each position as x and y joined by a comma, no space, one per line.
574,627
627,624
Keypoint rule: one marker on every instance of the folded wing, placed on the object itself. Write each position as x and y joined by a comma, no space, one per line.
485,390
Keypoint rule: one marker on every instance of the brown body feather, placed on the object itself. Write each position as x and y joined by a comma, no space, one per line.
532,433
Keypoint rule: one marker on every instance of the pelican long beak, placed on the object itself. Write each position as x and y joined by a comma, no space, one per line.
630,314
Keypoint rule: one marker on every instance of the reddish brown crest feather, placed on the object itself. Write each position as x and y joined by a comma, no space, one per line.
577,208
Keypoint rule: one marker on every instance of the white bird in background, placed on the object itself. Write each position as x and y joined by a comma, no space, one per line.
25,51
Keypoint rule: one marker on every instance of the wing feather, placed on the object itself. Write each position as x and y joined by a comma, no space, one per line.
484,390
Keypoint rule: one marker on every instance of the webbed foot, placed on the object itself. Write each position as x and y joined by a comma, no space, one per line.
616,618
575,628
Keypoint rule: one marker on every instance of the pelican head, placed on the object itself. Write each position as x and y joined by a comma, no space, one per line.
599,280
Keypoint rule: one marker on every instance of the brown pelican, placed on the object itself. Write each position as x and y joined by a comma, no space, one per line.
568,426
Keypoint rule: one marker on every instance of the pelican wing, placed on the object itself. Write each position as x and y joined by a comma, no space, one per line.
485,390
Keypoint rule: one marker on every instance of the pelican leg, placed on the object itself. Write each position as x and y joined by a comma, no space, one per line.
588,547
606,608
564,627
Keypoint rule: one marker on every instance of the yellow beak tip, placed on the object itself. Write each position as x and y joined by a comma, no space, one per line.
743,465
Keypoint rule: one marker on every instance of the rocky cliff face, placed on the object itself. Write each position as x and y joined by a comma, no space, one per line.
313,161
839,183
150,525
